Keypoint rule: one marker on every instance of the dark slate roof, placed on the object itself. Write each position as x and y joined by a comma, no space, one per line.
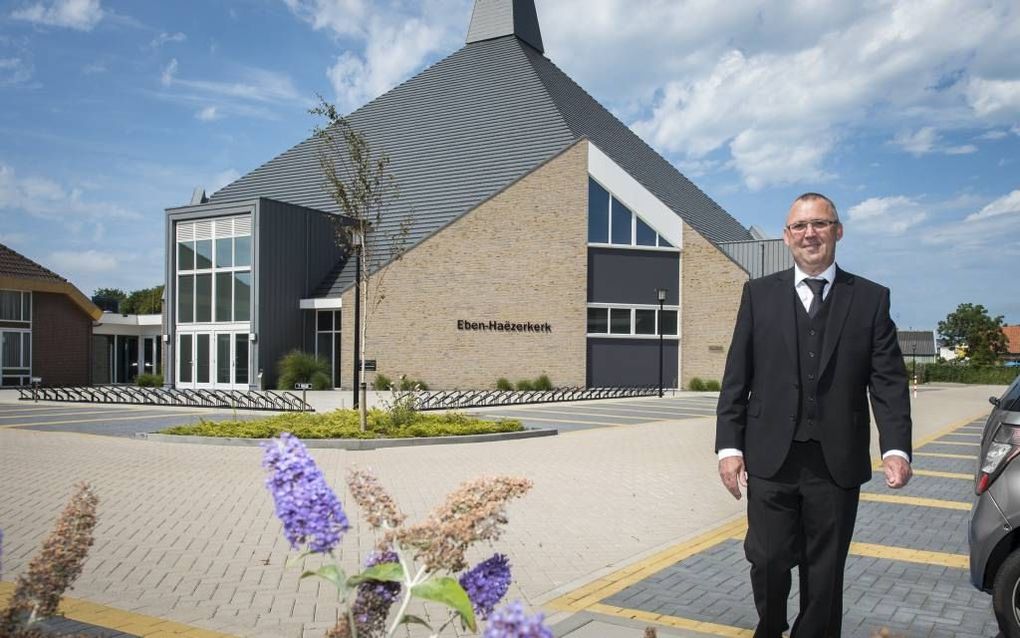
464,129
923,339
14,264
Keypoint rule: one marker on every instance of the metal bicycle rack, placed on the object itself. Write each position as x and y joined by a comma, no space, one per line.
239,399
456,399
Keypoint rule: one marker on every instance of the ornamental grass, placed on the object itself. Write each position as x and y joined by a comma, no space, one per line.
343,424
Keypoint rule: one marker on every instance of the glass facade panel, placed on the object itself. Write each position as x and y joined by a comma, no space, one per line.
664,243
12,306
224,294
323,346
203,253
241,359
203,298
11,355
621,224
186,255
242,296
644,322
667,323
224,253
202,358
619,321
645,235
185,357
149,355
598,213
324,321
598,320
223,358
185,298
26,349
242,251
26,306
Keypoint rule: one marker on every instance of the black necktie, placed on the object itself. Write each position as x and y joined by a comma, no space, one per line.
816,286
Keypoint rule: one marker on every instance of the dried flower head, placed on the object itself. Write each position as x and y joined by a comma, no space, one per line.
56,566
475,511
377,506
510,621
650,632
309,510
486,584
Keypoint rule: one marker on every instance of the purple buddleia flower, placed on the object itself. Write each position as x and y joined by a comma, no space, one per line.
309,510
510,621
374,599
486,584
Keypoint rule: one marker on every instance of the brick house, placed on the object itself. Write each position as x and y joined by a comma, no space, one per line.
540,229
1012,343
45,325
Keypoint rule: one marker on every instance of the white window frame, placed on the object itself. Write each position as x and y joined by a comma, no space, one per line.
632,334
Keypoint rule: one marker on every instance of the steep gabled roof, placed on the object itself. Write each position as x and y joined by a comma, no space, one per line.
463,130
18,272
497,18
917,342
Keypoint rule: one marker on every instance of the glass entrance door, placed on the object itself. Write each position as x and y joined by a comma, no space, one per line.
213,360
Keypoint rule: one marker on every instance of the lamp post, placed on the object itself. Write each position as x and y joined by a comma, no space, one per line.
913,365
661,294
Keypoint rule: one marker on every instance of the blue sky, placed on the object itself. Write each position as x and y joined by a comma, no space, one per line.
906,113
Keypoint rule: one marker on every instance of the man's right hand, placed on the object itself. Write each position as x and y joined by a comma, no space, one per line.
731,471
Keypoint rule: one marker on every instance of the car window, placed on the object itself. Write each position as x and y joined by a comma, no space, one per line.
1011,399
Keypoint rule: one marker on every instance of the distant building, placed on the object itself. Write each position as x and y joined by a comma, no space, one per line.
1012,342
45,325
918,345
125,346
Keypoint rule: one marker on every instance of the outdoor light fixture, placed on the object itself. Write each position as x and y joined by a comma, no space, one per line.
253,337
166,338
660,294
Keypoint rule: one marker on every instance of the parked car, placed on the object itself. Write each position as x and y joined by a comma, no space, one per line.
995,517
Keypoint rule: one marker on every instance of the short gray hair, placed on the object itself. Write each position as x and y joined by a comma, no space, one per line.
813,197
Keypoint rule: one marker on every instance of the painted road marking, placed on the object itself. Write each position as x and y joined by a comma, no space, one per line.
914,500
920,556
960,443
946,455
102,420
672,621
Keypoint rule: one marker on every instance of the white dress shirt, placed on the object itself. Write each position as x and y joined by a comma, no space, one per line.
806,296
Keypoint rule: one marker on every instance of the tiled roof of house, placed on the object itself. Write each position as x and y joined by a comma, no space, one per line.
1012,338
14,264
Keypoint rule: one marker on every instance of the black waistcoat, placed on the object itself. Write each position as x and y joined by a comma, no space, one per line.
810,333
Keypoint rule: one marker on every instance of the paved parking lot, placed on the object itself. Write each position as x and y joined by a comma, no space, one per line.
581,415
107,420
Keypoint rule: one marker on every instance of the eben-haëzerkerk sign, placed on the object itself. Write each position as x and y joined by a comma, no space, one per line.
502,326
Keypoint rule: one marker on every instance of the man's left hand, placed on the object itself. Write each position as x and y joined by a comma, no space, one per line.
897,471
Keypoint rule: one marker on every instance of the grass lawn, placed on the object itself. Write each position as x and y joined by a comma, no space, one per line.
343,424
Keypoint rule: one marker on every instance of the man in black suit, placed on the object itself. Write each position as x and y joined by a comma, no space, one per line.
810,345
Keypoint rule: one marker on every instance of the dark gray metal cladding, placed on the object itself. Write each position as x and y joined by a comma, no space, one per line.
497,18
759,257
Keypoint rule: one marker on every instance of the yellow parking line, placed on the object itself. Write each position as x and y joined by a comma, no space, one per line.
968,434
714,629
585,596
952,427
951,475
99,420
118,620
914,500
924,557
946,455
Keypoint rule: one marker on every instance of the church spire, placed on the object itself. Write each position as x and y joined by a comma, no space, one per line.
497,18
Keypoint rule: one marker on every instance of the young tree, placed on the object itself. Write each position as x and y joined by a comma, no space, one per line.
970,326
359,181
147,301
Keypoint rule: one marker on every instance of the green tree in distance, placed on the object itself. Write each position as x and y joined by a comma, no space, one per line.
970,326
147,301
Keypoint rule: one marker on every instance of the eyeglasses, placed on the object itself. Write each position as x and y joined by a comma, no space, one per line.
818,225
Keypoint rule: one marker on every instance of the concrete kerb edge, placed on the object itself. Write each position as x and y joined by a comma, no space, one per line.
354,444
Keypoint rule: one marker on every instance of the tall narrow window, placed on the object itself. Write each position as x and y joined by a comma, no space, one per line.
224,294
185,298
242,296
622,223
186,358
223,358
202,358
203,298
598,213
241,359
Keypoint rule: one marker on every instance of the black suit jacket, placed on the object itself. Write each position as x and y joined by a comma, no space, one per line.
760,398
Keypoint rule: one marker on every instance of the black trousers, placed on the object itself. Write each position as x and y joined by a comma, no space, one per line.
799,517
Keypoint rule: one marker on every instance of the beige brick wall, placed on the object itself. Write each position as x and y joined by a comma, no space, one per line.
520,257
711,295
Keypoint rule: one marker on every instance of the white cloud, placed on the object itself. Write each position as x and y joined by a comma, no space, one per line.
996,134
169,71
46,198
208,114
919,143
82,15
1005,205
964,149
994,97
163,38
887,215
14,71
73,263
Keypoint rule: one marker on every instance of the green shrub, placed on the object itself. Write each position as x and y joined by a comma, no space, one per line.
525,384
712,386
382,382
149,380
543,383
343,424
300,367
409,384
962,373
696,385
503,384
